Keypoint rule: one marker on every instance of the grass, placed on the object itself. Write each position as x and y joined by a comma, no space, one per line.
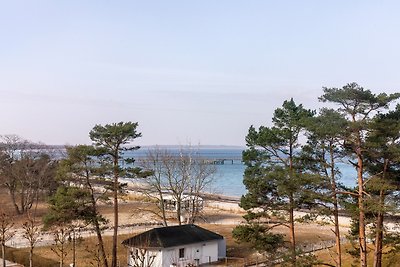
48,258
22,256
45,257
238,253
326,256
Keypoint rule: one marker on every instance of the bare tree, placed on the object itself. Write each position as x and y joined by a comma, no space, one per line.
31,232
60,248
6,232
201,174
96,260
142,257
25,172
156,180
179,179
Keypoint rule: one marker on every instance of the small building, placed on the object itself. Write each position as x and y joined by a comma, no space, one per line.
181,246
188,204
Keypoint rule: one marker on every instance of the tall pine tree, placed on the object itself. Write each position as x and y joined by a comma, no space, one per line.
321,155
113,138
275,184
358,106
383,167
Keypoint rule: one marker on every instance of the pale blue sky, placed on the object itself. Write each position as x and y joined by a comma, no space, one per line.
187,71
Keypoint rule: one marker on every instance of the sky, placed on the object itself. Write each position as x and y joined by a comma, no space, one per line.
198,72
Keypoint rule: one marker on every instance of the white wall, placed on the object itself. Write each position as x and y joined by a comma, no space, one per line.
157,261
205,252
221,248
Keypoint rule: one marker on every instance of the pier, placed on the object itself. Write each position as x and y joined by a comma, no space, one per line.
219,161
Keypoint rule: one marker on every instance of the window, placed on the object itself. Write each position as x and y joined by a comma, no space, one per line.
181,253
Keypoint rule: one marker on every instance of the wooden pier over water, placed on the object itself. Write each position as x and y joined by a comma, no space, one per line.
221,161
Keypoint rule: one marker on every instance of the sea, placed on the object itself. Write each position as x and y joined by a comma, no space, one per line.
228,179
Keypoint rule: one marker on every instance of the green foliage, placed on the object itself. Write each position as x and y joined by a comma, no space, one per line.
258,237
355,100
303,260
272,176
275,179
383,154
84,162
113,136
110,141
70,204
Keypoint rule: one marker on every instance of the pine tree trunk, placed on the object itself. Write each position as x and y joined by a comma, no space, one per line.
96,224
362,238
292,233
379,232
337,233
101,244
335,211
291,209
73,248
115,236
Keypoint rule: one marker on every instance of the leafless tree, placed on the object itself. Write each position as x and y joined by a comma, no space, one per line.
96,260
31,232
142,257
6,232
25,172
182,177
201,176
60,248
157,181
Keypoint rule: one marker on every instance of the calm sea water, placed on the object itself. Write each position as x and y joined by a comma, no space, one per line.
228,179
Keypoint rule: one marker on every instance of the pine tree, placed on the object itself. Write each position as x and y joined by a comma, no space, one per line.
320,155
383,167
275,185
112,138
358,106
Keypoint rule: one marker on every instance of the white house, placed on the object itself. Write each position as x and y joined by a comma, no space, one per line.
189,203
181,246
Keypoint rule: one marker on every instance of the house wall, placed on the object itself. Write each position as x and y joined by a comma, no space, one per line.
221,248
205,252
152,257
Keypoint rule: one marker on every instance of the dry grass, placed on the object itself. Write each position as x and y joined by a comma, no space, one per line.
327,256
22,256
47,258
6,206
44,257
86,250
135,210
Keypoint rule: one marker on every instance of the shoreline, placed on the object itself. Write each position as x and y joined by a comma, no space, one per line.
231,203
